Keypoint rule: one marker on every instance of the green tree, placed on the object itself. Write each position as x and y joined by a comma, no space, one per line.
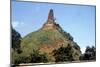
37,58
20,58
76,46
16,39
34,57
67,35
90,53
63,54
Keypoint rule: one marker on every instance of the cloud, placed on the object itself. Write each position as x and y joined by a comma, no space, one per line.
83,50
17,24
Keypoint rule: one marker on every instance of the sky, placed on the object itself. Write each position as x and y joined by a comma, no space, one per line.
78,20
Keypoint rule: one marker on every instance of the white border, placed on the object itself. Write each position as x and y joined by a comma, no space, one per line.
90,64
5,37
4,33
86,2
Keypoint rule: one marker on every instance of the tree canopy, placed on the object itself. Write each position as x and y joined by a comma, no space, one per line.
16,39
63,54
90,53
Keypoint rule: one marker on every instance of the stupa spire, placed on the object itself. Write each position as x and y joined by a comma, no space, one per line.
51,16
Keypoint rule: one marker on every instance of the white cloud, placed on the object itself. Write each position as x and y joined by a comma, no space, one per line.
16,24
83,50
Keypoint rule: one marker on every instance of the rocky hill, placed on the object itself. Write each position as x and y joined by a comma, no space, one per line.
50,37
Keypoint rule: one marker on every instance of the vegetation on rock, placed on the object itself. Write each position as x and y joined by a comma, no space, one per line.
90,54
49,44
63,54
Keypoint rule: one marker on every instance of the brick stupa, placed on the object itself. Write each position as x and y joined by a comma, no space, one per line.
50,24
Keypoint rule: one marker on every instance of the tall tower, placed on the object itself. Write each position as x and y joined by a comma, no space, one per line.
50,16
50,23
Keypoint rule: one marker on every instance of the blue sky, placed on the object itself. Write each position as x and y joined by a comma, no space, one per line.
77,20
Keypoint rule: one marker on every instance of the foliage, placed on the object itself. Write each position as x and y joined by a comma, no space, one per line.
41,37
15,58
19,58
34,57
16,39
66,35
63,54
37,58
76,46
90,53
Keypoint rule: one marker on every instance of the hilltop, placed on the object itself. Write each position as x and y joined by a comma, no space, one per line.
51,36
